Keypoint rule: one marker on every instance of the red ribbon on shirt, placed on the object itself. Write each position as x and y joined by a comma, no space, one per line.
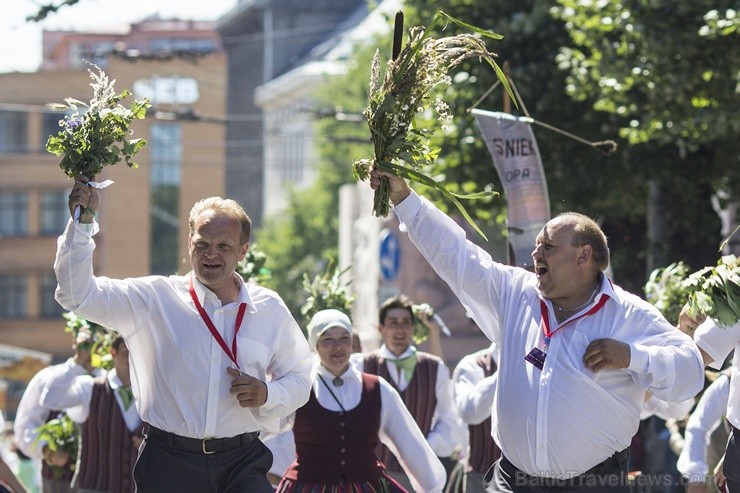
546,317
214,332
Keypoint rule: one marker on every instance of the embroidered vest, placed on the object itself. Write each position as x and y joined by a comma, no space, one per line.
107,450
330,447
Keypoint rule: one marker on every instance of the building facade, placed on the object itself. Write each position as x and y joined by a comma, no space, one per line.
143,215
265,39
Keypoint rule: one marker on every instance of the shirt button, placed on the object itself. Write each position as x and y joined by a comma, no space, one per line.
344,450
341,424
342,462
341,437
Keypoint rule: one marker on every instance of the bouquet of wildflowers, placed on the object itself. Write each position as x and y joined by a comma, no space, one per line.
421,331
61,435
324,292
95,134
99,342
710,292
715,291
667,290
400,146
252,268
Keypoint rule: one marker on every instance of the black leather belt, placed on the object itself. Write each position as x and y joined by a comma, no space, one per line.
201,445
610,464
606,467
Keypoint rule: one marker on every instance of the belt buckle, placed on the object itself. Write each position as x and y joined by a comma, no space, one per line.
205,450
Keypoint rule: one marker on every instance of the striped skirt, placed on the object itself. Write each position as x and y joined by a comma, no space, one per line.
384,484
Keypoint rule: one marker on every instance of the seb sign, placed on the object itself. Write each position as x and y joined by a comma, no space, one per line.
167,90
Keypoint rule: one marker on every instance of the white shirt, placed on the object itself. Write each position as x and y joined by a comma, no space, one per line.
398,430
564,419
692,462
178,370
31,414
667,410
717,341
75,394
473,390
447,433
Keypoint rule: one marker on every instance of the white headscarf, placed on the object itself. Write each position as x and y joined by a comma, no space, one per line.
324,320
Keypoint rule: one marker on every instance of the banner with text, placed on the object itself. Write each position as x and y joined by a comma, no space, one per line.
513,147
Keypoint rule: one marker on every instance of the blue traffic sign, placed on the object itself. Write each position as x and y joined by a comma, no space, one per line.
390,255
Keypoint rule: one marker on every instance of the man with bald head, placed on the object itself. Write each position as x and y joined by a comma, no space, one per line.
577,353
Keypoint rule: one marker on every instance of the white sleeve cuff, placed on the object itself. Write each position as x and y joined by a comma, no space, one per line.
639,358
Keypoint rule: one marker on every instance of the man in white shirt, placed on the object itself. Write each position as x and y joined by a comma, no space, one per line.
703,425
111,430
213,360
56,466
474,388
715,343
577,353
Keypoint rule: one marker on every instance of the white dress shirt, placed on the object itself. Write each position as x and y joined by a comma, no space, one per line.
31,414
447,433
564,419
667,410
75,394
692,462
398,430
717,341
178,369
473,390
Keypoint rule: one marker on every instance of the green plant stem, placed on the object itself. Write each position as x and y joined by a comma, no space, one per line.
381,199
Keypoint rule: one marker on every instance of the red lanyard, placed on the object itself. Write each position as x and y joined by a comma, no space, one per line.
214,332
546,317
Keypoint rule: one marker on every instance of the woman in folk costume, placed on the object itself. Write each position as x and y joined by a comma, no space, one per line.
347,414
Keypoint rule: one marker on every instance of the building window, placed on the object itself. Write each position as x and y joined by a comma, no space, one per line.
13,132
49,306
13,302
49,126
165,148
54,212
13,214
191,45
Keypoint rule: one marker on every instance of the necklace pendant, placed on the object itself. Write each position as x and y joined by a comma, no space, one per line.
338,382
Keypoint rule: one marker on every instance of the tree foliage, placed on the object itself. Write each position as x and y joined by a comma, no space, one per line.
670,68
612,189
538,40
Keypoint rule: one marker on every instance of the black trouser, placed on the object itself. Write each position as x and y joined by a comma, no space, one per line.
168,463
610,475
731,465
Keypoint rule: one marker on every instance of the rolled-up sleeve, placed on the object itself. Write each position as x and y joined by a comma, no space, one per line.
717,340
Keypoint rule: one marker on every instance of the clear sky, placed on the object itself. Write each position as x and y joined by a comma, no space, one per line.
20,40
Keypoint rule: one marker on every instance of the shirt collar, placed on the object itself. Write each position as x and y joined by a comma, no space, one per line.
351,374
244,297
114,380
387,354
